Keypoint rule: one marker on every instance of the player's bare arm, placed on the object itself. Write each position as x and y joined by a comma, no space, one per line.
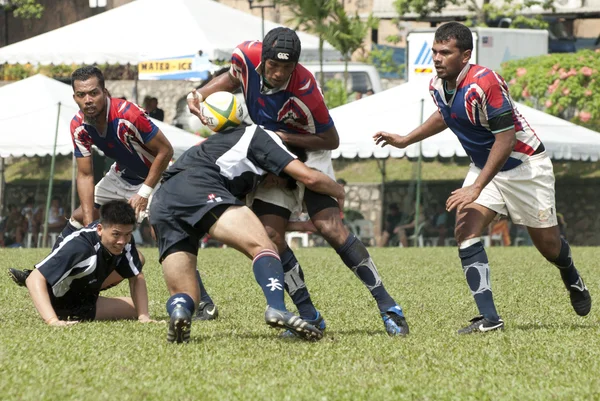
503,146
224,82
159,146
316,181
139,295
85,187
327,140
38,290
432,126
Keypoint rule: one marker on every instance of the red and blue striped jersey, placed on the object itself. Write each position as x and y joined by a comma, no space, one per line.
127,131
297,107
481,94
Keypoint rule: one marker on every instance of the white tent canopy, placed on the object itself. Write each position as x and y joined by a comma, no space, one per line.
151,29
398,110
28,121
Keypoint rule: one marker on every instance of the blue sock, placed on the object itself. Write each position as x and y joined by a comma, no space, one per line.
295,285
180,299
565,264
204,297
357,258
477,272
68,230
269,275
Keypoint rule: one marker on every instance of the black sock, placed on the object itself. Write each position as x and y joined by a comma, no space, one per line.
204,297
477,272
68,230
295,285
357,258
565,264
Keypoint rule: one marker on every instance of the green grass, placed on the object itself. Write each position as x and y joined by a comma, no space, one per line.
546,352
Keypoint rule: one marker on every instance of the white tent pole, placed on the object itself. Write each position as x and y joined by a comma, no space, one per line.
73,183
418,197
51,179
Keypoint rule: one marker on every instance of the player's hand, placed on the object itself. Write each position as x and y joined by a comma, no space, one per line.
385,138
462,197
61,323
138,203
146,319
193,102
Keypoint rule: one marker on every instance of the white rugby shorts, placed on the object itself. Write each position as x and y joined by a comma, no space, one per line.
293,200
113,187
525,193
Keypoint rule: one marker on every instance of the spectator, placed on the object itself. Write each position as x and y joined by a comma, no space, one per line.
407,229
562,224
369,92
502,227
13,228
392,221
153,110
437,226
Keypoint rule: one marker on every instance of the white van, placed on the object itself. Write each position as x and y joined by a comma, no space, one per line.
361,77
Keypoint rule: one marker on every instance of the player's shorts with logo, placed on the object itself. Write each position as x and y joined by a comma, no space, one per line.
524,193
113,187
294,200
184,208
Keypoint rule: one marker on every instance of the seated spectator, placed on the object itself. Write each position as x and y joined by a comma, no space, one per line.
562,224
392,221
153,110
407,229
501,227
13,228
437,226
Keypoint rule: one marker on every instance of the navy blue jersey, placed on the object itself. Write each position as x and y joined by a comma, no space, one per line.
80,264
481,95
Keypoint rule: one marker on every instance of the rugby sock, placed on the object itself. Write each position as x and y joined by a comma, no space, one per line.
477,272
180,299
565,264
269,275
295,285
357,258
72,226
204,297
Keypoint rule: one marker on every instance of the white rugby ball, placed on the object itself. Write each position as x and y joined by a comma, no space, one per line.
223,111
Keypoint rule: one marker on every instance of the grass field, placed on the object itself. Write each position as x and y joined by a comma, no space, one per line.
545,353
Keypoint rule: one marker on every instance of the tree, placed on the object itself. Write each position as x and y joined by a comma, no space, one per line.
23,8
347,33
311,16
482,11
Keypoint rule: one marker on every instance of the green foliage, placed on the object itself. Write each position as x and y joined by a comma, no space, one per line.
335,93
564,85
25,9
481,13
15,72
545,353
383,60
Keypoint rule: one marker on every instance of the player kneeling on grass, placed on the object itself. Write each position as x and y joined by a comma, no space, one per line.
65,286
199,195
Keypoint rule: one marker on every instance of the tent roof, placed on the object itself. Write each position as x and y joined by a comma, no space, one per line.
151,29
398,110
29,117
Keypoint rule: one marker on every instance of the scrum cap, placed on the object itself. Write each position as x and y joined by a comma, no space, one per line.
281,44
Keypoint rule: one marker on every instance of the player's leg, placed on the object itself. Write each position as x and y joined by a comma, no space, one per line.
470,223
325,214
558,252
254,242
274,219
116,308
530,198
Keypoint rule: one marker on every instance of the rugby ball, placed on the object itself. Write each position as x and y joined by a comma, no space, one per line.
222,110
